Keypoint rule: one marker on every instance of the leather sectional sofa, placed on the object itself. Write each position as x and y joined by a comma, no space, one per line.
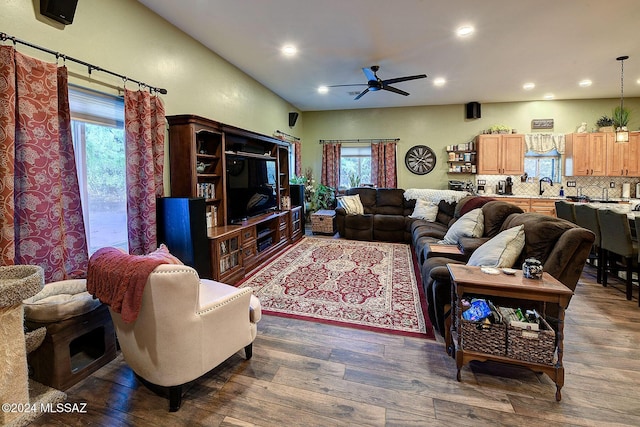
385,218
560,245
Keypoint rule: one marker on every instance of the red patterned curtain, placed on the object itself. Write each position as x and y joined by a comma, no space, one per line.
297,150
40,211
144,139
331,165
383,165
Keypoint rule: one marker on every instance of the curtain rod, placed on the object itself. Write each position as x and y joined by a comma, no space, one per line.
91,67
350,141
287,135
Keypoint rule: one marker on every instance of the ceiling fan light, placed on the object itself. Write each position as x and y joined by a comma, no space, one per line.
465,31
585,83
289,50
440,81
323,89
528,86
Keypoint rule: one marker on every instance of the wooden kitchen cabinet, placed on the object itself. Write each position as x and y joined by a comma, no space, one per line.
586,154
500,154
622,158
544,206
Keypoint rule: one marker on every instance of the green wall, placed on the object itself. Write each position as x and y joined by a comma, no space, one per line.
439,126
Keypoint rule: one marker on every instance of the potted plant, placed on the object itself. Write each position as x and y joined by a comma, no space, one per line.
324,198
620,118
500,129
605,124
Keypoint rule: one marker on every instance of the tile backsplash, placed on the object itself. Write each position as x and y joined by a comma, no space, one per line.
591,186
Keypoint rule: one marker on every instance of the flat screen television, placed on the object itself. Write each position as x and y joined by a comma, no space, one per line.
251,186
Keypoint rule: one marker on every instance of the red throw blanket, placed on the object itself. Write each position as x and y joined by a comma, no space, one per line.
117,279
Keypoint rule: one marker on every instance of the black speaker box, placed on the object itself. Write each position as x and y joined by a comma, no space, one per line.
293,117
182,226
473,110
59,10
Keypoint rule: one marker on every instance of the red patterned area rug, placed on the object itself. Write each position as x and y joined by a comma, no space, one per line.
366,285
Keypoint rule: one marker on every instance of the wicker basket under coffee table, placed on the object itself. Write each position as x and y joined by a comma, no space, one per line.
471,281
323,222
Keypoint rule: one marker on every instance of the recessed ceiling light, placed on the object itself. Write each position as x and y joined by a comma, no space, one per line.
585,83
440,81
289,50
549,96
465,31
323,89
528,86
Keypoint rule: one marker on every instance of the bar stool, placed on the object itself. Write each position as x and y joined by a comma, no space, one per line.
566,210
616,239
587,217
636,221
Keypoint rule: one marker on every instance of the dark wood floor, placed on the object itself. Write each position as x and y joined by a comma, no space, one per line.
310,374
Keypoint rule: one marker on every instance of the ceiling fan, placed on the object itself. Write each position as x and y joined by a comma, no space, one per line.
375,83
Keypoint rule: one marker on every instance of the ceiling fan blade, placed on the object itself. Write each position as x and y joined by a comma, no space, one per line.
395,90
371,75
361,94
355,84
404,79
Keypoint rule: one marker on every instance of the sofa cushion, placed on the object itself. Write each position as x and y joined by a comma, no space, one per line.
474,202
351,204
367,197
425,210
445,212
495,213
501,251
470,224
390,201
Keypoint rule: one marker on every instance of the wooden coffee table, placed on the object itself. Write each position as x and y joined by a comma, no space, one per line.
470,280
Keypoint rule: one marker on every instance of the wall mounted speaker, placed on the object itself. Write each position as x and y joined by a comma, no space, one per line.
293,117
473,110
59,10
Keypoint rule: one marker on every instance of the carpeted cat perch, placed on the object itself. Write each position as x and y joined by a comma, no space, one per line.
17,283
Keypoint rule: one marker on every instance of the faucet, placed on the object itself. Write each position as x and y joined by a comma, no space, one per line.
545,179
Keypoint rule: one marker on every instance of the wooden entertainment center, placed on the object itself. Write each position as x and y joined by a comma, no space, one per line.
199,150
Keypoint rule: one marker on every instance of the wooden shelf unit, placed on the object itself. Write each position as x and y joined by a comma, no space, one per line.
198,149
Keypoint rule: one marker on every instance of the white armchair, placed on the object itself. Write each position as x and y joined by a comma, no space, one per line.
186,327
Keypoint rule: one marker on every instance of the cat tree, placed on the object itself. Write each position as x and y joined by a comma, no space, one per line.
17,283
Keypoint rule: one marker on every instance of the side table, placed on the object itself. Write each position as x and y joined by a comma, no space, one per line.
470,280
323,222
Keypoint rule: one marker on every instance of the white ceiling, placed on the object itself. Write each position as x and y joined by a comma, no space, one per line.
553,43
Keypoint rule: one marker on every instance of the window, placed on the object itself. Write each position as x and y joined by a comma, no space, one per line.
547,164
355,166
97,122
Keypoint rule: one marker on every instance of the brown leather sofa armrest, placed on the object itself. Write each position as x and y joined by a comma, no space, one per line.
469,244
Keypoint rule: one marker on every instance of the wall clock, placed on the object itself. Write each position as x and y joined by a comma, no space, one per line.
420,159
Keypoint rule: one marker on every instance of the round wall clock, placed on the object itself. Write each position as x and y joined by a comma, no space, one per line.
420,159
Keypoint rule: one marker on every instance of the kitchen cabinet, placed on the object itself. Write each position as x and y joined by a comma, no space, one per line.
586,154
543,206
622,158
500,154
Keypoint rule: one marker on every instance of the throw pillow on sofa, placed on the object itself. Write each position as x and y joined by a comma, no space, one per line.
470,224
352,204
425,209
501,251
